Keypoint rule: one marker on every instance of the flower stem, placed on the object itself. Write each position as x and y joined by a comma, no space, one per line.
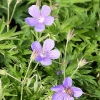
75,71
24,80
50,3
13,77
13,11
34,68
22,91
28,69
65,60
8,18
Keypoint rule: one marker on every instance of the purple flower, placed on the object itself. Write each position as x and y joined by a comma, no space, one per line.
45,54
39,18
66,91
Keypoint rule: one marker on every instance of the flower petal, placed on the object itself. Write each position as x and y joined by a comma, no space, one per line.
61,96
46,62
58,96
38,58
34,11
45,11
49,20
39,27
48,45
67,82
54,54
31,21
36,46
67,97
58,88
77,92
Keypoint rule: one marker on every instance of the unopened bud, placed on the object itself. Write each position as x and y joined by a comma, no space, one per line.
70,35
82,62
18,1
9,1
3,72
54,6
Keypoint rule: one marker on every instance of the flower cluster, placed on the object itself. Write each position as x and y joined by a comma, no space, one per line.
66,91
45,54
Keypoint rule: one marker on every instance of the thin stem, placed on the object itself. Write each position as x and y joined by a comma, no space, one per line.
13,77
27,69
75,71
65,60
22,91
66,48
50,3
13,11
8,18
24,80
34,68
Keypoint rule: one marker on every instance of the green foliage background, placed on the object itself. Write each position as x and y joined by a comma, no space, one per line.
81,15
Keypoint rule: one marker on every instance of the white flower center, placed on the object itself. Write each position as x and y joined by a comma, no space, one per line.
41,19
42,55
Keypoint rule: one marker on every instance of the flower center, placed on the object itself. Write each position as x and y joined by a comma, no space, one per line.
43,55
41,19
67,90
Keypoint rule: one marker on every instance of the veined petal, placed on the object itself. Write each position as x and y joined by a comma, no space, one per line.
67,82
46,62
39,27
45,11
77,92
34,11
49,20
61,96
38,58
58,88
31,21
36,46
48,45
69,98
54,54
58,96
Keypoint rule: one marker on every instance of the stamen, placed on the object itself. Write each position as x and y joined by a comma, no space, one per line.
41,19
67,90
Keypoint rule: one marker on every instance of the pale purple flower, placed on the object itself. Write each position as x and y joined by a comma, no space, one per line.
66,91
45,54
39,18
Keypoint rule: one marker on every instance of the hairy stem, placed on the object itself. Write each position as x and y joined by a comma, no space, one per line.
75,71
24,80
65,60
13,11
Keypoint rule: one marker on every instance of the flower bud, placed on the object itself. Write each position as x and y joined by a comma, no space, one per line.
82,62
3,72
18,1
9,1
70,35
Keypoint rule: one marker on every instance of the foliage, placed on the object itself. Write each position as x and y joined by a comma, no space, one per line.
15,49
